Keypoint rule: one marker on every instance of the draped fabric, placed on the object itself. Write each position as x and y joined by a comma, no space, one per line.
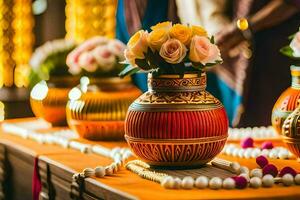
133,15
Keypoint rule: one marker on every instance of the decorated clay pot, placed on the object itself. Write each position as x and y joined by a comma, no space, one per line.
176,123
97,108
291,132
287,102
48,100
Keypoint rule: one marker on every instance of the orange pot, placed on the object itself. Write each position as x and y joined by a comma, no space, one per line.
287,102
176,123
48,100
97,108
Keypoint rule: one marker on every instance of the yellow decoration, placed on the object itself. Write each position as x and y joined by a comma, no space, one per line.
242,24
88,18
16,41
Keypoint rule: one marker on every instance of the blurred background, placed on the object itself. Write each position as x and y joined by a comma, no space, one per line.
27,24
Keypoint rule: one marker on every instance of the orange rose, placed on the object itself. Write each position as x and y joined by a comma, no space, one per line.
181,33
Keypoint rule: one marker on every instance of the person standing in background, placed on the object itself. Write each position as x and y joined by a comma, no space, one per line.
248,83
133,15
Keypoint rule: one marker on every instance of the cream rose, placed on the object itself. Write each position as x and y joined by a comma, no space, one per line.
138,44
156,38
295,45
203,51
173,51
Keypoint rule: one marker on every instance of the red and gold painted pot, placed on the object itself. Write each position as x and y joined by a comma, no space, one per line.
176,123
48,100
291,132
97,107
287,102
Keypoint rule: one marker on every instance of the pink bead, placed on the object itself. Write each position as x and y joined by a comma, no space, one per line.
240,182
287,170
267,145
247,142
270,169
262,161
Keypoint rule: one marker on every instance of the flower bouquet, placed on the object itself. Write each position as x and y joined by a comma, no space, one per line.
97,107
176,123
168,49
97,57
49,60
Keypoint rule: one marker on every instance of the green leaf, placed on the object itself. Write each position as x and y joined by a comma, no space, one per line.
143,64
291,36
129,70
287,51
212,39
179,69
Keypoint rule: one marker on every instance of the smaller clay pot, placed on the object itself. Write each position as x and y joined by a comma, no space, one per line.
97,107
48,100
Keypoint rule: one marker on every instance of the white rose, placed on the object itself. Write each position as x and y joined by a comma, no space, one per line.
295,45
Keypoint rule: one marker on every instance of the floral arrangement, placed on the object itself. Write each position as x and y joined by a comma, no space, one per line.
50,60
293,49
98,56
171,49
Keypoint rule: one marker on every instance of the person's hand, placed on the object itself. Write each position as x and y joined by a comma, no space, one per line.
228,38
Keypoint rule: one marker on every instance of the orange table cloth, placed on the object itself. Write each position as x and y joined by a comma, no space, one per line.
134,186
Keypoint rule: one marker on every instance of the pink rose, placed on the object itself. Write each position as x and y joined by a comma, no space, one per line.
87,61
295,45
117,48
104,57
173,51
203,51
72,58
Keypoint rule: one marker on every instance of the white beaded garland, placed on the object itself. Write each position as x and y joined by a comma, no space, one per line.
268,180
177,183
187,183
255,182
275,153
168,182
244,170
283,154
99,171
228,183
256,173
201,182
297,179
215,183
109,171
288,180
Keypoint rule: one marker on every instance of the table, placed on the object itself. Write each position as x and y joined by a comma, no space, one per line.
57,165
